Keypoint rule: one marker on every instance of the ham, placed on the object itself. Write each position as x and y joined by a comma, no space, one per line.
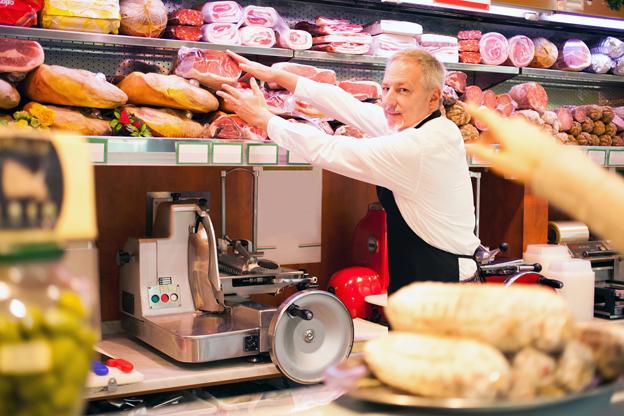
505,104
347,48
231,126
210,67
564,116
530,95
574,55
449,96
324,21
222,12
387,45
362,90
280,102
610,46
457,80
146,18
20,55
361,38
260,36
494,48
326,76
521,51
297,40
221,33
394,27
489,99
473,94
600,64
73,121
167,123
9,97
329,29
260,16
546,53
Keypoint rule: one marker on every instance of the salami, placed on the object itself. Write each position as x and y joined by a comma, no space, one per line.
190,33
257,36
470,45
546,53
222,12
574,55
494,48
449,96
521,51
600,64
469,35
610,46
186,17
222,33
20,55
530,95
470,57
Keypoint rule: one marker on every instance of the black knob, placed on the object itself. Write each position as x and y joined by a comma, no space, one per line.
296,311
175,196
504,247
537,267
122,257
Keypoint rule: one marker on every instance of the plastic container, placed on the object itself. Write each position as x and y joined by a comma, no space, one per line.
578,280
545,254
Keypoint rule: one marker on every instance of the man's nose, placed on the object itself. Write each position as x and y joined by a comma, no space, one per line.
389,97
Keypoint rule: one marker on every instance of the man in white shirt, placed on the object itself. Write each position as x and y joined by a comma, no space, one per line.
414,155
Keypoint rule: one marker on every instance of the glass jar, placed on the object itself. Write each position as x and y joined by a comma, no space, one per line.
46,334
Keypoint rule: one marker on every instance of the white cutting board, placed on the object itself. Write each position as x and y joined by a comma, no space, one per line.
95,381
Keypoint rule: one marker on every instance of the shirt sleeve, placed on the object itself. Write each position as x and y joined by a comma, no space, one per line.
388,161
342,106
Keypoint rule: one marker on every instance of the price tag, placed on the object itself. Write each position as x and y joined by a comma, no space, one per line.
598,156
227,154
192,153
616,158
98,148
294,159
262,154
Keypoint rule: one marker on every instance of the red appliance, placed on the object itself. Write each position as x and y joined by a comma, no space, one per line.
352,285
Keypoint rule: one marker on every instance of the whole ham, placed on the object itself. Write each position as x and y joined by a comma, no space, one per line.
221,33
73,121
329,29
326,76
505,104
362,90
394,27
610,46
211,68
521,51
574,55
9,97
387,45
530,95
167,123
20,55
146,18
231,126
546,53
600,64
348,48
457,80
257,36
297,40
362,38
222,12
186,17
260,16
494,48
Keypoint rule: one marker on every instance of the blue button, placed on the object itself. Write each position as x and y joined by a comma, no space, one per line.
99,368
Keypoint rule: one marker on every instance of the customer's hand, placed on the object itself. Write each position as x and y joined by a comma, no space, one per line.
523,146
249,104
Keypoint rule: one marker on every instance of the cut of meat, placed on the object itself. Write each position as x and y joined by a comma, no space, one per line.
600,64
350,131
532,116
387,45
457,80
610,46
9,97
20,55
260,16
297,40
443,48
363,38
564,116
494,48
333,29
186,17
324,21
546,53
574,55
362,90
280,102
473,94
190,33
211,68
521,51
393,27
146,18
231,126
489,99
505,104
469,35
73,121
304,109
167,123
449,96
530,95
470,45
19,12
222,12
257,36
326,76
343,47
221,33
470,57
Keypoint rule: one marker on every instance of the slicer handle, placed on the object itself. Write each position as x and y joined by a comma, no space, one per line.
296,311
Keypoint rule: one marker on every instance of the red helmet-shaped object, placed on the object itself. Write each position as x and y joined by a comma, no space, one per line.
352,285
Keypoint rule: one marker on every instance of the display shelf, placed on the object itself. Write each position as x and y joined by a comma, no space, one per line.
572,78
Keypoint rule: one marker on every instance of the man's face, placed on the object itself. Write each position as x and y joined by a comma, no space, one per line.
404,100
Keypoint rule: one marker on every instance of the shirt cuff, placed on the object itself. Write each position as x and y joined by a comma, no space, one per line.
303,86
275,127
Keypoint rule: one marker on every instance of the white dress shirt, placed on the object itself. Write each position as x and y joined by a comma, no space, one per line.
425,168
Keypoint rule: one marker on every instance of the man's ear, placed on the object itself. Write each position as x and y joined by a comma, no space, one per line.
434,99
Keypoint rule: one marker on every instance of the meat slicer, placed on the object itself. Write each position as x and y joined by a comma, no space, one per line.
189,298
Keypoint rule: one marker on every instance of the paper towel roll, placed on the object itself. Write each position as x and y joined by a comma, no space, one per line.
567,232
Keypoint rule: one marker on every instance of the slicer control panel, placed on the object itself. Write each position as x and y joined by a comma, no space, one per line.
165,295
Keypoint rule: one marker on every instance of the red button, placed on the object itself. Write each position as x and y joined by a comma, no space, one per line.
164,298
121,364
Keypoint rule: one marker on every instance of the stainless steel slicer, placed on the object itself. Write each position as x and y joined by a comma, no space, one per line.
188,298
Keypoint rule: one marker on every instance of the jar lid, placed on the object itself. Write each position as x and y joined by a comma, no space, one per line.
32,252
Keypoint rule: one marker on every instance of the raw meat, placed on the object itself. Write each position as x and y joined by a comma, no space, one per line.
600,64
326,76
231,126
297,40
304,109
610,46
190,33
146,18
456,80
331,29
343,47
350,131
362,90
393,27
387,45
221,33
469,45
20,55
9,97
260,16
257,36
222,12
494,48
521,51
470,57
532,116
280,102
443,48
473,94
168,123
186,17
580,113
319,124
574,55
619,123
530,95
449,96
361,38
489,99
469,35
19,12
505,104
546,53
211,68
324,21
564,116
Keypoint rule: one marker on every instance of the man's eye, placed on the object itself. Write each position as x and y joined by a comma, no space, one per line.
384,89
403,90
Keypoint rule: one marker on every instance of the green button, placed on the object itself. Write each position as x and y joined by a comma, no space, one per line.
155,298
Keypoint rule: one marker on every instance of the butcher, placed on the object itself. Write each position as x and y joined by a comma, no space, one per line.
414,155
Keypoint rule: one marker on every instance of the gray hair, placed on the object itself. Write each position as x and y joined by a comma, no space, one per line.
433,72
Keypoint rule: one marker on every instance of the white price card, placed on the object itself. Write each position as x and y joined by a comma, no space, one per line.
262,154
294,159
192,153
598,156
227,154
616,158
98,148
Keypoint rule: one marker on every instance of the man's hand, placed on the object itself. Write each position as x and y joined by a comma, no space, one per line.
250,105
265,73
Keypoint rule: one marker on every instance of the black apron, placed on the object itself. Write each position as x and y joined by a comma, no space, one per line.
410,258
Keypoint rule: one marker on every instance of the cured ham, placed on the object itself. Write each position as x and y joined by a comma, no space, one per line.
231,126
210,67
343,47
387,45
456,80
260,16
521,51
505,104
222,12
360,38
326,76
530,95
574,55
257,36
494,48
329,29
297,40
546,53
20,55
222,33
